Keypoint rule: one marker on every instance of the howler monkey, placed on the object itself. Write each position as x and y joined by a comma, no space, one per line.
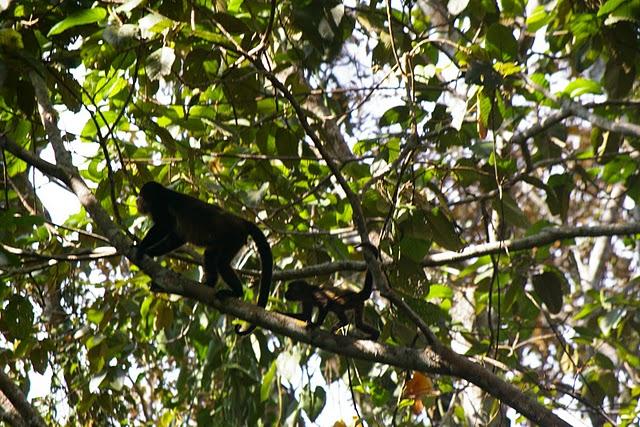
179,218
338,301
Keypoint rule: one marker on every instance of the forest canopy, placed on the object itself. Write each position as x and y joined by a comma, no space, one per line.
488,150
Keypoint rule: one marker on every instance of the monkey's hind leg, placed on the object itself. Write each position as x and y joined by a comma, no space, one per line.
229,276
210,267
365,327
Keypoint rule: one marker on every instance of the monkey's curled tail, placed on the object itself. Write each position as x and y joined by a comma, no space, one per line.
266,265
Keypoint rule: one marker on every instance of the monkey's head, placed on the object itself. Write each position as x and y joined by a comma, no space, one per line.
150,193
297,290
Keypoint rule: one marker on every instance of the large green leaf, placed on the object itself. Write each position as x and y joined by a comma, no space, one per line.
443,231
16,318
501,43
83,17
548,286
582,86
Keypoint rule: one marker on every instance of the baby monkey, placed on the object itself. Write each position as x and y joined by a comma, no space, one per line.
338,301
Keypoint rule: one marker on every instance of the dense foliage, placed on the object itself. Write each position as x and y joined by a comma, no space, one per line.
492,149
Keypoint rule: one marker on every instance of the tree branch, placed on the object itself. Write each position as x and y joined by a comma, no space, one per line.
45,167
437,360
20,402
358,216
81,255
444,361
12,419
545,237
573,108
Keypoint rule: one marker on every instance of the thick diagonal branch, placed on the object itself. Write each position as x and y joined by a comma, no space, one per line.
20,402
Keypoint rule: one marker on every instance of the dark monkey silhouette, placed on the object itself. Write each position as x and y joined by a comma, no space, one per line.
179,218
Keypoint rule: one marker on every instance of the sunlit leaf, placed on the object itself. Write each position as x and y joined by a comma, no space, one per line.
96,382
611,320
439,291
160,62
609,6
83,17
581,86
457,6
538,18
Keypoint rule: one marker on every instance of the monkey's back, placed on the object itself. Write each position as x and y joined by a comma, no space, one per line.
205,224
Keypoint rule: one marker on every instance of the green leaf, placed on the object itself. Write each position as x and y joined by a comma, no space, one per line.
153,24
483,74
610,6
538,19
209,36
512,7
28,221
95,316
200,67
584,26
39,359
587,311
633,185
559,189
548,286
619,76
507,68
608,382
314,404
97,380
619,169
443,230
395,115
267,382
484,108
581,86
428,311
439,292
232,24
512,212
234,5
118,380
611,320
11,39
286,142
414,248
16,319
501,43
120,35
628,11
603,361
164,315
83,17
